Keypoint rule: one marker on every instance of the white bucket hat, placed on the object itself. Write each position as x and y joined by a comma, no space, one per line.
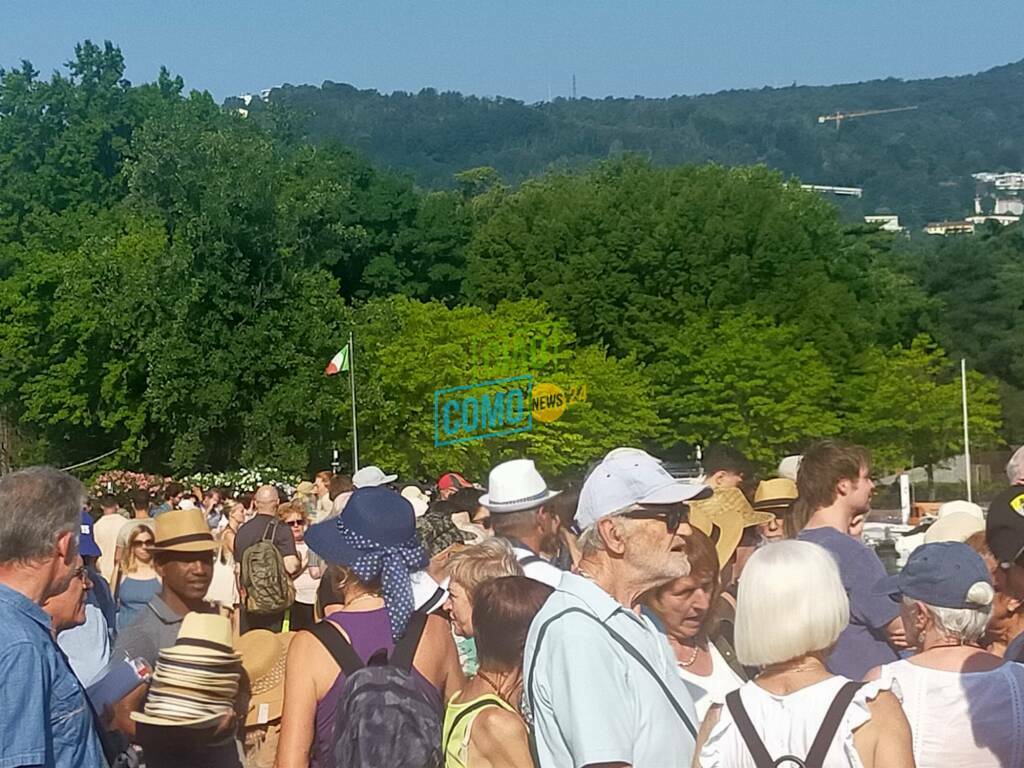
628,476
515,486
371,477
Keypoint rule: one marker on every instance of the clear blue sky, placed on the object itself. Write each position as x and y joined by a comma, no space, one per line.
521,48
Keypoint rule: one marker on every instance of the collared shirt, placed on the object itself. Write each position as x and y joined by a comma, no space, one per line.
588,699
87,646
534,566
45,719
155,629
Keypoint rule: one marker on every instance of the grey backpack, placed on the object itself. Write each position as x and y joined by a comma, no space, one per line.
383,718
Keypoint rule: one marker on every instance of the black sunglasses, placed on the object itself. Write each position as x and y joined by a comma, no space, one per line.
673,516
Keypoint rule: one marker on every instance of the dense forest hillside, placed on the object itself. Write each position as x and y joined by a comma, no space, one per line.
914,163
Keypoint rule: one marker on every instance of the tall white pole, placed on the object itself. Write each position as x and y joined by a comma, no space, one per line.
352,387
967,433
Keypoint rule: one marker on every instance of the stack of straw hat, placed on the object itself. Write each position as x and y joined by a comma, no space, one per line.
196,680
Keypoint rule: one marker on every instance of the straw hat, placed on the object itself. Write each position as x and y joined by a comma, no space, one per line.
264,655
776,495
515,486
729,511
183,530
305,488
195,683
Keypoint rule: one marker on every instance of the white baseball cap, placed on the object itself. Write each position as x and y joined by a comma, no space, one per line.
371,477
628,476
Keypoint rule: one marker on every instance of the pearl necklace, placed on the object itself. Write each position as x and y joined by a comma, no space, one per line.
693,658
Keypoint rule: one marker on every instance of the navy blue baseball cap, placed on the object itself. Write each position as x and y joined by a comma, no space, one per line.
939,574
373,517
86,542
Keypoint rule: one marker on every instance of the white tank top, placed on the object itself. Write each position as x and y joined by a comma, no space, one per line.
788,724
971,719
710,689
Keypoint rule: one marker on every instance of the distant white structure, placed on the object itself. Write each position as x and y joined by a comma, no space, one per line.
1004,219
886,222
1011,206
841,191
950,228
1010,181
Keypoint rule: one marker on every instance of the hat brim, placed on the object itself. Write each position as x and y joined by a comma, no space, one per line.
771,505
726,538
324,540
497,507
196,722
888,586
189,546
675,493
758,517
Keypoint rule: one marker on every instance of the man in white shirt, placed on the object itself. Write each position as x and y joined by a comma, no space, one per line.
516,494
600,686
105,531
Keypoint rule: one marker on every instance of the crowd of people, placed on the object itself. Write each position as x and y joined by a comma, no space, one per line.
629,619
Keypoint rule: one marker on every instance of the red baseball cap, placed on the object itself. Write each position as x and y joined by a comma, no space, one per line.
452,480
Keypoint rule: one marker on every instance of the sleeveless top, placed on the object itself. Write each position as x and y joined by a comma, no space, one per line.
963,718
455,741
788,724
368,632
710,689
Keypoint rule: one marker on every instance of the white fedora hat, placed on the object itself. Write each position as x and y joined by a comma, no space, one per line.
371,477
515,486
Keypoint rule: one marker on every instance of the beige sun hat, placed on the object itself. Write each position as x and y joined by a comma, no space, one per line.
183,530
728,511
775,494
206,636
264,655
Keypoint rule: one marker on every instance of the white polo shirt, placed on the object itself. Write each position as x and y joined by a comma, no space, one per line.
588,700
536,567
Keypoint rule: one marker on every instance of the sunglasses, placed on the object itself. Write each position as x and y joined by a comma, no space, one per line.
673,516
295,523
81,573
483,522
143,542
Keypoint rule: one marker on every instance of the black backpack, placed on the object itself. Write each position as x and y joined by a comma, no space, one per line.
822,740
383,718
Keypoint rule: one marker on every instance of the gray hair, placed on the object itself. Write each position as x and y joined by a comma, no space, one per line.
965,625
590,541
1015,467
514,523
37,506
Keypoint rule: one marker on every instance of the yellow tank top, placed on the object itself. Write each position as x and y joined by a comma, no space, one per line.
458,721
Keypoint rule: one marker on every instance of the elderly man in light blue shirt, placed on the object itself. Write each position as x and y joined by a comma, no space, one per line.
600,686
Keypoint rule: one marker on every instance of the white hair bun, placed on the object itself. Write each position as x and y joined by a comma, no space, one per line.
981,593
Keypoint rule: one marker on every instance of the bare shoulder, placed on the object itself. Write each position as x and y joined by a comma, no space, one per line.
497,728
884,706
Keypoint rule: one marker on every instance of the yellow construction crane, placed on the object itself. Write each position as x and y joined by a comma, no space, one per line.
840,116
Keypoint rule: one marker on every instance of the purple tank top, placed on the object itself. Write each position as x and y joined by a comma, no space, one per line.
368,631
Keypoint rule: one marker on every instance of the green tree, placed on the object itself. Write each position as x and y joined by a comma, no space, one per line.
743,380
906,405
406,350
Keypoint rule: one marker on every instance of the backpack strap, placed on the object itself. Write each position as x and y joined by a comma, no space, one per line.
755,746
829,726
272,529
822,740
338,646
405,649
476,705
627,647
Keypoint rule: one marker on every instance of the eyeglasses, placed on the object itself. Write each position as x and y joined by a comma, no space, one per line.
143,542
81,573
673,516
295,523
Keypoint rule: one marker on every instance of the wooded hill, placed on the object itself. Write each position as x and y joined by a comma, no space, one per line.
916,163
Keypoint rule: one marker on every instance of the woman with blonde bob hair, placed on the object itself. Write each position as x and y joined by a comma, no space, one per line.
791,608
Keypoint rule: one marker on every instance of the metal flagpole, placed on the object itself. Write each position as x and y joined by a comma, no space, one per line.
352,387
967,434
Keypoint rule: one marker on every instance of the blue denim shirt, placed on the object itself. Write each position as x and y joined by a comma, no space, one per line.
44,717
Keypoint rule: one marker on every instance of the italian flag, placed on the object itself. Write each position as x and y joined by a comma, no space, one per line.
338,363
